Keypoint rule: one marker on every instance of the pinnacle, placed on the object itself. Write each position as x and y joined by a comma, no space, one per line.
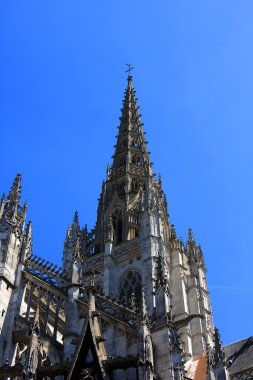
199,250
75,220
29,228
15,192
3,198
217,340
27,242
191,247
216,353
160,179
144,305
25,205
173,232
190,235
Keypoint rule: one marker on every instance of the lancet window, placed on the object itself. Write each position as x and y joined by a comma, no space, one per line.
135,127
134,184
130,288
133,233
120,160
121,187
117,226
123,144
135,143
136,159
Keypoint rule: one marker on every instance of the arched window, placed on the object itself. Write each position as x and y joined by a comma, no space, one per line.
134,184
135,142
117,226
121,187
136,159
130,287
133,233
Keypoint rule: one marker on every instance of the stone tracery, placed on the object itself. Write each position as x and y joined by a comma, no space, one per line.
130,287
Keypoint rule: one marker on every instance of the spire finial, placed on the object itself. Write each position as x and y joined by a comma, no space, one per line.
129,69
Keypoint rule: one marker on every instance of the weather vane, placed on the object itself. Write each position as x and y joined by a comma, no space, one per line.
129,68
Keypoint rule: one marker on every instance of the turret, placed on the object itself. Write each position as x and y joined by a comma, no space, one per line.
198,296
12,255
120,215
179,285
11,231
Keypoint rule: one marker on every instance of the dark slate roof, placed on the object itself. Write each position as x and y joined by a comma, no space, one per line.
239,355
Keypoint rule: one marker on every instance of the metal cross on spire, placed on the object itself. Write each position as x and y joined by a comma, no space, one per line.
130,68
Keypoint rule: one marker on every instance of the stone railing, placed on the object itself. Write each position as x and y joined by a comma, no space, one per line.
125,248
93,262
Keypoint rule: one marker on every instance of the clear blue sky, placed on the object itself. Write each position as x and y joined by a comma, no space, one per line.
62,77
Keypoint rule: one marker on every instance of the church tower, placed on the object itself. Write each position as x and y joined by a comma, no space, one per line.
15,244
137,255
130,301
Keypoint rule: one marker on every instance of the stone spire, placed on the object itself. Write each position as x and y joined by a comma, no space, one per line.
131,157
126,179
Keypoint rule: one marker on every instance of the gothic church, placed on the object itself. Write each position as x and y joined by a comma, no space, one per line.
130,301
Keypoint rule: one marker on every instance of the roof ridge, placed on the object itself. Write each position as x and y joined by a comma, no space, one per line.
237,341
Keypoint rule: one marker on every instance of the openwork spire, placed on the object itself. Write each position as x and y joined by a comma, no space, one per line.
131,154
129,177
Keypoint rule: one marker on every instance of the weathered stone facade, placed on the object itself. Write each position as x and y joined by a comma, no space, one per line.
131,299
